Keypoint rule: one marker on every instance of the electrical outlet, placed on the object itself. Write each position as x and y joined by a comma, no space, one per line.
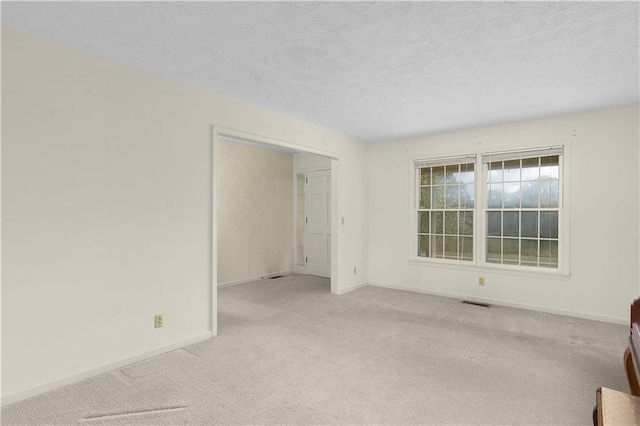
355,270
481,281
158,321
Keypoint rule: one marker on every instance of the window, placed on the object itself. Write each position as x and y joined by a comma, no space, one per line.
445,208
515,223
523,208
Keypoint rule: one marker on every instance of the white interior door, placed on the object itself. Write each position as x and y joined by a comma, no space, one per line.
318,223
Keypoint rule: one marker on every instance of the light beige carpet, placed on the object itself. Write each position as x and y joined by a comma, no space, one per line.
289,352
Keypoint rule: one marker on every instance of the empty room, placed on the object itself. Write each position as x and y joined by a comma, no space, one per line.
320,213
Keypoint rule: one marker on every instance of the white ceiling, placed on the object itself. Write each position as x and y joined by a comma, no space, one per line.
371,70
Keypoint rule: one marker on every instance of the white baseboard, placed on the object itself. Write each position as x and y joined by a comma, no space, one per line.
251,279
352,288
297,269
19,396
545,309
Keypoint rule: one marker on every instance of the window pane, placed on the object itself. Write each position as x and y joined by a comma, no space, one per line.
554,196
437,175
444,210
529,224
451,247
545,193
466,173
423,246
494,250
425,197
451,174
466,248
451,223
425,176
438,197
437,223
548,224
529,194
549,166
423,222
530,169
511,249
467,196
522,208
512,171
510,224
529,253
437,249
511,195
452,196
495,196
494,224
466,223
549,253
495,172
549,194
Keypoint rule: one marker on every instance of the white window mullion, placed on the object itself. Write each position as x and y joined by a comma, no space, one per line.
444,216
549,241
534,252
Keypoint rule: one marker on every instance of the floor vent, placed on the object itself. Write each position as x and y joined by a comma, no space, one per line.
272,278
469,302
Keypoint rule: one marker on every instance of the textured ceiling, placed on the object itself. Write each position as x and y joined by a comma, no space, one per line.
374,71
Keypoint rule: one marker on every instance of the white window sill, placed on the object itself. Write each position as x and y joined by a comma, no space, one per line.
473,267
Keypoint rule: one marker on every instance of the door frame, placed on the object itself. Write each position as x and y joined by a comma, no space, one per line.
218,132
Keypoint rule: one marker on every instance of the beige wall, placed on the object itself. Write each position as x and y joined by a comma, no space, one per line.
107,210
304,161
602,220
255,212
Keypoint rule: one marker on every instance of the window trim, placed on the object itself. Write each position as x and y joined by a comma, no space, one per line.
479,263
430,163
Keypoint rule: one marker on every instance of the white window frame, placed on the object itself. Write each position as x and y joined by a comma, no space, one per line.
479,263
436,162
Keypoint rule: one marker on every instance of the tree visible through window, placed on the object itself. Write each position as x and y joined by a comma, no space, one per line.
523,205
518,220
446,210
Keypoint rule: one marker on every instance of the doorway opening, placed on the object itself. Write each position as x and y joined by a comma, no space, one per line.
319,244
